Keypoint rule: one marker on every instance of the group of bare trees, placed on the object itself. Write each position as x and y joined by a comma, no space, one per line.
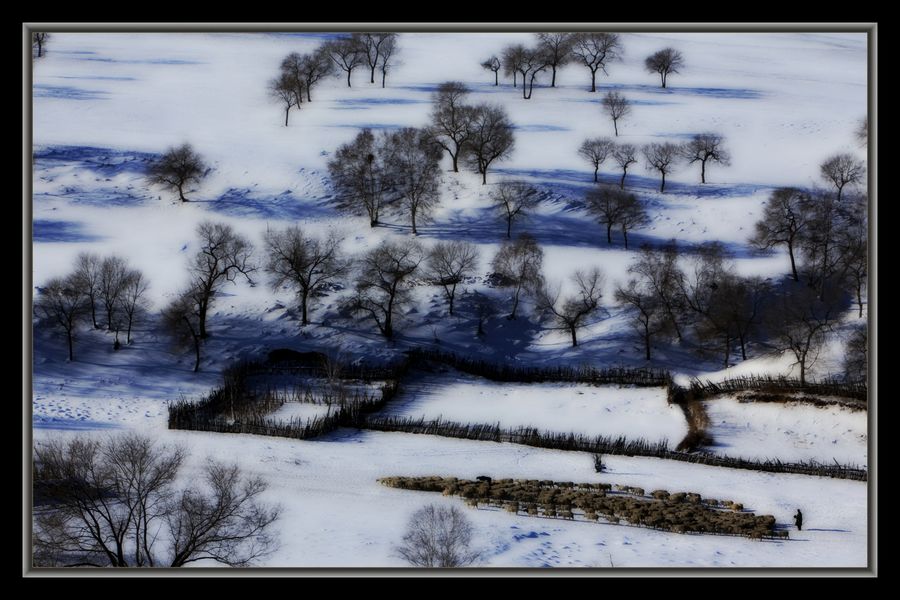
594,51
98,286
615,207
119,503
301,72
480,134
825,234
392,168
663,158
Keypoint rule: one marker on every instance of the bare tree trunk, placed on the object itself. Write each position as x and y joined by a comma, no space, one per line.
647,339
383,77
702,171
203,307
181,193
287,113
596,171
304,296
308,97
625,235
514,80
196,354
515,304
553,79
793,262
348,77
622,182
484,177
663,77
496,78
509,228
662,185
71,349
743,347
859,297
609,233
412,214
803,370
450,298
574,339
128,331
372,77
594,80
616,127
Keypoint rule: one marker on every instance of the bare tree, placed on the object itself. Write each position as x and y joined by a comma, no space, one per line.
113,276
451,119
372,47
223,256
360,175
632,216
744,302
819,241
181,320
531,62
783,221
388,59
492,64
705,147
449,263
571,312
649,318
664,62
38,40
511,57
513,199
313,68
595,50
413,162
625,155
305,263
113,503
438,536
662,158
491,139
224,521
177,168
617,107
557,49
843,169
856,362
284,89
862,131
87,276
852,248
607,204
800,321
519,264
61,303
484,308
596,151
660,278
382,288
292,76
346,53
132,300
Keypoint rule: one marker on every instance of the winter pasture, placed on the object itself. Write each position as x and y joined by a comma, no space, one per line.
106,105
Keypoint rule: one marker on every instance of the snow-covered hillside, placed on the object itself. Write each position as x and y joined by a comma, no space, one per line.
105,105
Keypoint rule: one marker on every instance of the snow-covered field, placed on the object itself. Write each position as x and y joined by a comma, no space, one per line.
792,431
591,410
104,105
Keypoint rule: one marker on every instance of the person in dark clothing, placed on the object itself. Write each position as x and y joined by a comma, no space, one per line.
798,519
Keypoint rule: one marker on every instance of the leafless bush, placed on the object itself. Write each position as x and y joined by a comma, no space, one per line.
438,536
